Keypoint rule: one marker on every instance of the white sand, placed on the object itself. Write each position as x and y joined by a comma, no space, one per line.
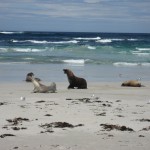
109,103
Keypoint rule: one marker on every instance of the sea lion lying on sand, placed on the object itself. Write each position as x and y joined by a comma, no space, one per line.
40,88
29,75
132,83
75,82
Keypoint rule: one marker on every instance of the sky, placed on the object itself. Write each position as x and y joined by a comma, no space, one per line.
129,16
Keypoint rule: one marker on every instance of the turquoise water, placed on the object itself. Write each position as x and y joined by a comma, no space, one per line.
75,48
95,56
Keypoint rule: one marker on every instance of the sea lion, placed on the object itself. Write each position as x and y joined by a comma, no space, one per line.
75,82
29,75
40,88
132,83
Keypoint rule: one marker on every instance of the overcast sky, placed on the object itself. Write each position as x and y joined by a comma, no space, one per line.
75,15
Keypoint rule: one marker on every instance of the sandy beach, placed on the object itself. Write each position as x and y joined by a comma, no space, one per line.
105,116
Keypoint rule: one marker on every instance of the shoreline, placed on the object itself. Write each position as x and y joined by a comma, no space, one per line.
84,113
15,73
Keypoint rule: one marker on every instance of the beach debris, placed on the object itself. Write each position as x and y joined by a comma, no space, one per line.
4,135
141,136
68,99
22,98
16,121
2,103
139,105
148,102
98,101
17,128
50,126
48,130
60,125
95,100
120,116
106,105
146,129
23,106
143,120
109,127
84,100
48,115
92,96
101,114
118,100
42,101
15,147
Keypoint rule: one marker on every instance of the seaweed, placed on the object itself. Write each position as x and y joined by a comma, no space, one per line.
109,127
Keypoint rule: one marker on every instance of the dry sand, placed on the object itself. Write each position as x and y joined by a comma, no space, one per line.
75,119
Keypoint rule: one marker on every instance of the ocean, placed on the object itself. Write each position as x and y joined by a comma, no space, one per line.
96,56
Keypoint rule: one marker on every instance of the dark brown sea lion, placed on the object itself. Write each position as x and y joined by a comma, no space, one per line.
75,82
40,88
132,83
29,75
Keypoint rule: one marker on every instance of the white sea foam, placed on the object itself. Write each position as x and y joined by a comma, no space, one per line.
143,49
32,41
132,39
5,32
11,63
65,42
15,41
26,50
130,64
3,50
124,64
28,58
91,47
80,38
36,42
140,54
104,41
74,61
117,39
44,42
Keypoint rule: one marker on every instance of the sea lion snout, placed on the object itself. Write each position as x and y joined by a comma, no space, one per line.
65,71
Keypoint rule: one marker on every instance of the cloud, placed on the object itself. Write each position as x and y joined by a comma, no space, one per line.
92,1
95,11
75,9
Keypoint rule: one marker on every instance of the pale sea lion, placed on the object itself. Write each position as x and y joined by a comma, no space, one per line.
40,88
132,83
75,82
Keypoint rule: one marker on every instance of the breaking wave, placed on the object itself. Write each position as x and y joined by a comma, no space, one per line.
130,64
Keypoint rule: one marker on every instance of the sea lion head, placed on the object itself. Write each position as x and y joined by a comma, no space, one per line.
65,71
30,74
68,72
